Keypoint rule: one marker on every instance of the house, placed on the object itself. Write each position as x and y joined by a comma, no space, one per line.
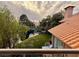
66,35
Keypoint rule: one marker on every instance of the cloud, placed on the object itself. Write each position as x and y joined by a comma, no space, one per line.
36,10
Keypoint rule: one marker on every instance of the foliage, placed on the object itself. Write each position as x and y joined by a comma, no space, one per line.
34,42
50,22
22,30
8,27
56,18
1,43
25,21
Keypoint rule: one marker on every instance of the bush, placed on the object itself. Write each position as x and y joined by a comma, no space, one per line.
22,30
34,42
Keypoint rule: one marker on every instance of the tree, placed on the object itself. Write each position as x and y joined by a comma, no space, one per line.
8,28
25,21
22,31
50,22
55,19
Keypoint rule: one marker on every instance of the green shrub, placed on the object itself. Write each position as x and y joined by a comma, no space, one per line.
34,42
22,29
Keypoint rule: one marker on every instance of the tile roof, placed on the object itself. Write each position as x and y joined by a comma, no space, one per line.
68,32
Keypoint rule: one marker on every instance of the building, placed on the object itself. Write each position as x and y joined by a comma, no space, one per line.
66,35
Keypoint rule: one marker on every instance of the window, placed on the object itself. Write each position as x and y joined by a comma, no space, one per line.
57,43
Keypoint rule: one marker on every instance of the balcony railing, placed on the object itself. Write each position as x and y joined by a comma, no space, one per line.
39,52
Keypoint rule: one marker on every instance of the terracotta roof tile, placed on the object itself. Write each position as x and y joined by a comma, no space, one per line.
68,32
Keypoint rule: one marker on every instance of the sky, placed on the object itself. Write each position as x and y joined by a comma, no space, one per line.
45,8
37,10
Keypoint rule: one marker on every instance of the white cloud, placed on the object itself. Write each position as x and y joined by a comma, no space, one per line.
36,10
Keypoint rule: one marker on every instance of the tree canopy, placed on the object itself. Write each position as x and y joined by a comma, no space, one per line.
8,27
25,21
50,21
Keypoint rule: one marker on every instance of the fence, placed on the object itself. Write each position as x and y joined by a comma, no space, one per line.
39,52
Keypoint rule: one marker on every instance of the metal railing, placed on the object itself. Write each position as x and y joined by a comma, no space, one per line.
39,52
